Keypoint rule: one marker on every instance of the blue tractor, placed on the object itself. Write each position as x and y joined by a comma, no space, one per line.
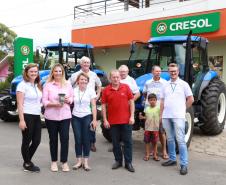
190,54
65,53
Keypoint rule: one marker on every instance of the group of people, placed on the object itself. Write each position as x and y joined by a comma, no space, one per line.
74,101
58,96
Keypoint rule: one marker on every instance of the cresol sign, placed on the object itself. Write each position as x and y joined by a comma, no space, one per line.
181,26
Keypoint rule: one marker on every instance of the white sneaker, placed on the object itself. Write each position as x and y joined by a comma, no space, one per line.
54,167
65,167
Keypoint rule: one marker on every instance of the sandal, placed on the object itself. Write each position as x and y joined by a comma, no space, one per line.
165,156
156,158
86,168
146,158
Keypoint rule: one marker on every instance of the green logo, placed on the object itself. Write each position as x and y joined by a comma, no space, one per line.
161,28
25,50
181,26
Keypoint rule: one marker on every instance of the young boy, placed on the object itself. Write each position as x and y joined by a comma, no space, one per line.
151,133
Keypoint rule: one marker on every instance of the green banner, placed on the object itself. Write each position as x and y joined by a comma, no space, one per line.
23,54
181,26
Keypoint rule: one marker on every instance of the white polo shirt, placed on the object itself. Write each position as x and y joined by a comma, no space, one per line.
131,83
94,80
32,97
174,95
153,86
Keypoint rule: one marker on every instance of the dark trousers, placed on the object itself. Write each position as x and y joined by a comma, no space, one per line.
31,136
81,129
92,137
122,132
61,128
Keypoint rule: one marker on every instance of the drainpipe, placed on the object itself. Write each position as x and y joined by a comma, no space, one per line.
126,5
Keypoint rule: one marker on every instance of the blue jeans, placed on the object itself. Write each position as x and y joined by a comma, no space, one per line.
61,128
175,128
81,129
122,132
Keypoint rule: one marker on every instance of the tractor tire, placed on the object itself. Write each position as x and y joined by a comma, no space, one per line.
189,125
106,133
8,111
213,104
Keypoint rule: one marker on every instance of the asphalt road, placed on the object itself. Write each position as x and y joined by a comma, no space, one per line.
203,169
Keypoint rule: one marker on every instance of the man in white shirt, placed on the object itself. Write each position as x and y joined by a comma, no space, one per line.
155,85
126,79
94,83
176,96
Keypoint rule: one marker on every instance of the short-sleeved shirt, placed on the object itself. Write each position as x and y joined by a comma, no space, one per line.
51,93
152,118
117,102
174,95
131,83
82,101
32,97
152,86
94,80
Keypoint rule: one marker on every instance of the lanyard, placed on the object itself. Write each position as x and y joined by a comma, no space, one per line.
173,86
80,97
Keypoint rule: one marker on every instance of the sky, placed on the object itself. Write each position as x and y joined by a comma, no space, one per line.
28,18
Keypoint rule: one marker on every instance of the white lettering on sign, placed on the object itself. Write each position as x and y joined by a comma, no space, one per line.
186,25
25,62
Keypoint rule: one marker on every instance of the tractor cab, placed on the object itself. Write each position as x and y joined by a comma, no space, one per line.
190,56
67,54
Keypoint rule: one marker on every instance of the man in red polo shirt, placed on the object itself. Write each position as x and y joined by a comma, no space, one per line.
118,114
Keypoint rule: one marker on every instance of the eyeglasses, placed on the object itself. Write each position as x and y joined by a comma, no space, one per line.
172,72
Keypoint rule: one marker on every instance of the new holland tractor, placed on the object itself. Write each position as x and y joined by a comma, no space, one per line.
190,54
65,53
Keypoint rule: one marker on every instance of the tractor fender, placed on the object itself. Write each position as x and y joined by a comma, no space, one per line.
210,75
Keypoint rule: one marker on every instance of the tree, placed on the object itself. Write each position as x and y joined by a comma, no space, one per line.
7,37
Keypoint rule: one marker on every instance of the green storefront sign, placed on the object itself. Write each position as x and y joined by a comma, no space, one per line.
181,26
23,54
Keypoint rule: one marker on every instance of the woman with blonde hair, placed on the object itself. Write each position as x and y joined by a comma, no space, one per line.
57,97
29,96
84,119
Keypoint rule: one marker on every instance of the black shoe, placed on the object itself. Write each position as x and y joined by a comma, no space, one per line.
129,167
169,163
183,170
31,167
93,147
116,165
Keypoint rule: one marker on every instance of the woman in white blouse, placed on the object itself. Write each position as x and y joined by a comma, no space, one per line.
29,96
83,119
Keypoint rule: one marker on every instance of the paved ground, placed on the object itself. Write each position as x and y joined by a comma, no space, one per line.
204,168
211,145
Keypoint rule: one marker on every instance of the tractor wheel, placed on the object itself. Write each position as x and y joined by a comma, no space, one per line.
189,125
8,111
213,104
106,133
8,116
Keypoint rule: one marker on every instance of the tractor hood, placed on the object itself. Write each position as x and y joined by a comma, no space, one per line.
142,79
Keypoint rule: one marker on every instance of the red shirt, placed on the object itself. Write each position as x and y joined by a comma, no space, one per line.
117,103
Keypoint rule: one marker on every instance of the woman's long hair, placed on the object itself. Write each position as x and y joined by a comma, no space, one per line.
51,77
